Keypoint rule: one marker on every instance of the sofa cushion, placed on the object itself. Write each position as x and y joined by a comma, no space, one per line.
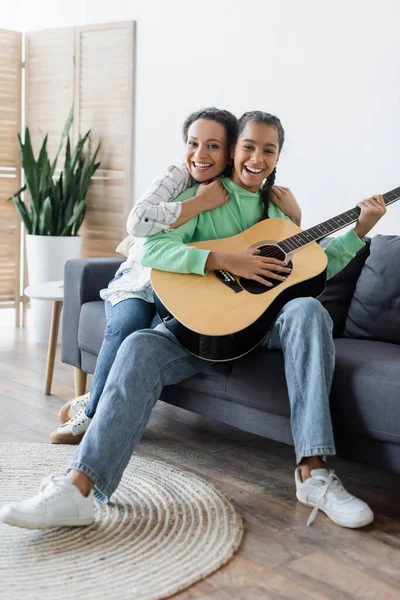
212,381
92,322
365,397
340,289
374,311
258,381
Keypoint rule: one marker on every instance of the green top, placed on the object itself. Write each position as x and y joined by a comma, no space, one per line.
167,251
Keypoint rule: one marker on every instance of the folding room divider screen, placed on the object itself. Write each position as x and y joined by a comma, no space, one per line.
10,166
93,68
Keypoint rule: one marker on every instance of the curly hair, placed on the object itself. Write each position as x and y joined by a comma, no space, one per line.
224,117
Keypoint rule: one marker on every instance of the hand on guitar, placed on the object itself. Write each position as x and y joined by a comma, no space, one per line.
249,264
212,195
372,210
287,203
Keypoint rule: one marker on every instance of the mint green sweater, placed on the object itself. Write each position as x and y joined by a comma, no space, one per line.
167,251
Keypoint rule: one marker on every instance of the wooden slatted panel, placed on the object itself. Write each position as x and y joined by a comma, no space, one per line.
104,223
49,59
104,103
10,166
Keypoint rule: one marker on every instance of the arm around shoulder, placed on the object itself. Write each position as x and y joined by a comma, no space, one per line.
155,211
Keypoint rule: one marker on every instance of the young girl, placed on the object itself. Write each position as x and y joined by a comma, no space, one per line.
151,359
209,135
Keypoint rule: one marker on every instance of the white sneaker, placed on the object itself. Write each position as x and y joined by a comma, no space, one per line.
324,491
73,430
58,503
71,408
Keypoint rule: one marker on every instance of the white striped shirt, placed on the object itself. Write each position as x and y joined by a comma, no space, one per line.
152,214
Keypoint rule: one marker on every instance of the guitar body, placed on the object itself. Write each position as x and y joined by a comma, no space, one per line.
219,317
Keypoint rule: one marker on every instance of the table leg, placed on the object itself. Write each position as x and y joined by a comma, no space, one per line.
51,352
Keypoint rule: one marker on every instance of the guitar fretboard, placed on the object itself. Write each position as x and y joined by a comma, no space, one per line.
331,225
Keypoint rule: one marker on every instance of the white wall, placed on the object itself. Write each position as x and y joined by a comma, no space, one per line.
330,71
10,15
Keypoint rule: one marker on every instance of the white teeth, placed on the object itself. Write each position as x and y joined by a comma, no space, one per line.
200,165
255,171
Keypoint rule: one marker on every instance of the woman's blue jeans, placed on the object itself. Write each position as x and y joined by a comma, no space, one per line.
124,318
151,359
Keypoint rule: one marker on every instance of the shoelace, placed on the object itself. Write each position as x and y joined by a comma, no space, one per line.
328,482
80,418
82,401
56,482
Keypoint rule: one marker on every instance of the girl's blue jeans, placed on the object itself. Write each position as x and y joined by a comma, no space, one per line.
150,359
124,318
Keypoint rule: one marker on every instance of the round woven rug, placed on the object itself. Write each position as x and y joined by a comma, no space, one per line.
164,530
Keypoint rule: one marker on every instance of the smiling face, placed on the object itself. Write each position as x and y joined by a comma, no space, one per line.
256,155
207,151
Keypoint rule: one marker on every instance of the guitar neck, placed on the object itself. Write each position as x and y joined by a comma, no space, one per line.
318,232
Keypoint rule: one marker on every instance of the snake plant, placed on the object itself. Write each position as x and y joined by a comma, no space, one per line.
57,203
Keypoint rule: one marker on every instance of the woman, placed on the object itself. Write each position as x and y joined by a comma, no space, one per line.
209,135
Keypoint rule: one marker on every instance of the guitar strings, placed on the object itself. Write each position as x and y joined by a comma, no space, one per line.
272,252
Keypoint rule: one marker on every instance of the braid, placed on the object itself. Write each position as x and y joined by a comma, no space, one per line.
266,192
267,119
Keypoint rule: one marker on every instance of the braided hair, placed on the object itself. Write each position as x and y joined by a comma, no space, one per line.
225,118
268,119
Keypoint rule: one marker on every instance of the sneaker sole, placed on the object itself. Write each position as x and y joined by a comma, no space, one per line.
15,522
63,415
56,438
362,523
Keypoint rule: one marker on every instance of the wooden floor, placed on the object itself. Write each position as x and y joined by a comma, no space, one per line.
280,557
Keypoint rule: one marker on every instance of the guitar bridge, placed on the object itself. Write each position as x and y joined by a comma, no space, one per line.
229,280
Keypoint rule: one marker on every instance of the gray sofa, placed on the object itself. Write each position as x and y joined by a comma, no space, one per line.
251,393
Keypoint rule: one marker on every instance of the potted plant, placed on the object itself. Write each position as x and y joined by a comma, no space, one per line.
56,207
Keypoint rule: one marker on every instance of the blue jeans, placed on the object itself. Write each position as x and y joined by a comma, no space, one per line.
150,359
123,319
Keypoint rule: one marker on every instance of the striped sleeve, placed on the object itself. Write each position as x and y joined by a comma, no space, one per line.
155,212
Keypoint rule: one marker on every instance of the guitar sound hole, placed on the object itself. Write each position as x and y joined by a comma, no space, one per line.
253,287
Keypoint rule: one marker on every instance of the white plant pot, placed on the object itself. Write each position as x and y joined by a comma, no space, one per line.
46,257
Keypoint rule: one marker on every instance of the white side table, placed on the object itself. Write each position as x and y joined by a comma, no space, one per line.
49,290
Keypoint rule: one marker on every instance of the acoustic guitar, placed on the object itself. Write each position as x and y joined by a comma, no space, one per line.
221,317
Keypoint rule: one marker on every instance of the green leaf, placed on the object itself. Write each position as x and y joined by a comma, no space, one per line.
81,208
17,193
43,152
45,217
45,181
65,132
68,171
79,221
30,169
78,150
23,213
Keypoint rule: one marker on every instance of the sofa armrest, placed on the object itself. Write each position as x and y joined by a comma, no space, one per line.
83,280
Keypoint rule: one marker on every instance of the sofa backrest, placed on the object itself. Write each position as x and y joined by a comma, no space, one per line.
374,311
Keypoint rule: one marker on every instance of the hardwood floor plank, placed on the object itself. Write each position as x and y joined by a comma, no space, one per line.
24,434
343,577
245,574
